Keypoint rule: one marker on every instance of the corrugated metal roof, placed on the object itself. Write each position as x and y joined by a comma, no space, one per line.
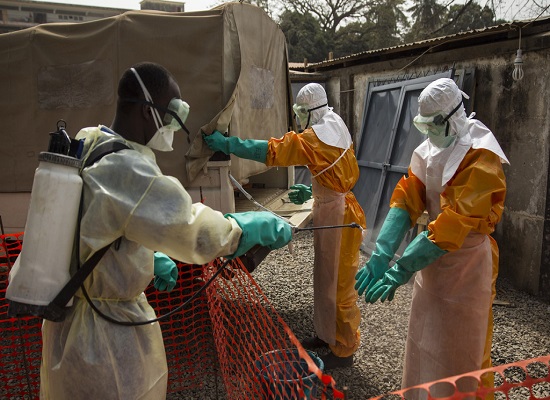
460,39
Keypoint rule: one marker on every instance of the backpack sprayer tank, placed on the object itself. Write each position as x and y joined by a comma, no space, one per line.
42,268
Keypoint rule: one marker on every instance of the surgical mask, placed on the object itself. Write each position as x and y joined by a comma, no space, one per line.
440,140
174,118
162,139
304,114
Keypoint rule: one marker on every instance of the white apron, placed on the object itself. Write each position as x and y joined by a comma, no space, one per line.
328,208
450,304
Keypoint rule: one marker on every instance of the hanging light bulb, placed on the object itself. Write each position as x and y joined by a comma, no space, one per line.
517,75
518,67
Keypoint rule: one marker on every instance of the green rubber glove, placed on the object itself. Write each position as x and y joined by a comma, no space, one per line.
300,194
395,226
420,253
260,227
166,272
250,149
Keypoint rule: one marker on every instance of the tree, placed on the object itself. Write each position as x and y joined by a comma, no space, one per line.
305,38
330,13
466,18
382,28
352,38
387,21
427,16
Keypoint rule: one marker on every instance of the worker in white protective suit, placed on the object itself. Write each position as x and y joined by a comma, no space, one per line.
326,148
457,176
126,196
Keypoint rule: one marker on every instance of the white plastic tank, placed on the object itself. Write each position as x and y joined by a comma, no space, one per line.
42,268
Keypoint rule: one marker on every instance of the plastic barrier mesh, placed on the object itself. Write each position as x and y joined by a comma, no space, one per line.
523,380
222,341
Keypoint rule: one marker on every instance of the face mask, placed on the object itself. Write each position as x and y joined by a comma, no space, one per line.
440,140
304,114
436,126
174,119
162,139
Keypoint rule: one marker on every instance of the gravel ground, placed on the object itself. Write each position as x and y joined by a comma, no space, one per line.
522,322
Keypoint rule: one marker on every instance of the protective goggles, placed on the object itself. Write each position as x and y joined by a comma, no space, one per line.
433,123
175,114
303,113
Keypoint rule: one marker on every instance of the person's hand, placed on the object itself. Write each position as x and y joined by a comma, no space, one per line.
217,142
300,194
384,289
166,272
420,253
261,228
250,149
371,272
395,226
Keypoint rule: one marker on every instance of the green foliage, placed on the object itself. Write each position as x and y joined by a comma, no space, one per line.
314,28
428,16
304,36
387,21
331,14
352,38
462,19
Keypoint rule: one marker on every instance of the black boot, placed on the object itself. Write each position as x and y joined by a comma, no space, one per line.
332,362
312,343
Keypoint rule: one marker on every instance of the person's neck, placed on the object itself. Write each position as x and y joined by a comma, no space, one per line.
124,129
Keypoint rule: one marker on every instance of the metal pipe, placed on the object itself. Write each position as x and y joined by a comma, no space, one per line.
352,225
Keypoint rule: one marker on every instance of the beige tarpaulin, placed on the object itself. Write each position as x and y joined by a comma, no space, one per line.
230,63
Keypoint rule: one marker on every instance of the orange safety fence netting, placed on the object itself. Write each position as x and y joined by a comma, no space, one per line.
522,380
226,341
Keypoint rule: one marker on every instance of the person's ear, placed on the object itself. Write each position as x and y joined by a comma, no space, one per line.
146,111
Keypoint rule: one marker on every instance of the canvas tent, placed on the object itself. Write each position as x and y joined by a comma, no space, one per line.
230,63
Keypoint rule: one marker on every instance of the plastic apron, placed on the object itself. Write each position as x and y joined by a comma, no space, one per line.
450,304
328,209
336,316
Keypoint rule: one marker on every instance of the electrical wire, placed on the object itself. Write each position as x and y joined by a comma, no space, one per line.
175,310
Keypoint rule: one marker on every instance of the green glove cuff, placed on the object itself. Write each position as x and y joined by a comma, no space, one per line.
420,253
396,225
260,227
250,149
397,276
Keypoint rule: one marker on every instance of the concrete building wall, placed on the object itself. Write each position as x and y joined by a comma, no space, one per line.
516,112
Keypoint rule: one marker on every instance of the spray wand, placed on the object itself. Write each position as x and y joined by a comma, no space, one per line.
312,228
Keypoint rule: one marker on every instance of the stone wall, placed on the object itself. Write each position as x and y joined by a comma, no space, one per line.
516,112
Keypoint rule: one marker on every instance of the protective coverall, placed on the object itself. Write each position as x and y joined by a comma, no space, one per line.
463,188
336,314
85,356
325,147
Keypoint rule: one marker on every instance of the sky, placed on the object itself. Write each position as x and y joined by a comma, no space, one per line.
190,5
506,9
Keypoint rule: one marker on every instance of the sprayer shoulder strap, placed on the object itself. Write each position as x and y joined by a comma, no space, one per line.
86,269
102,150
